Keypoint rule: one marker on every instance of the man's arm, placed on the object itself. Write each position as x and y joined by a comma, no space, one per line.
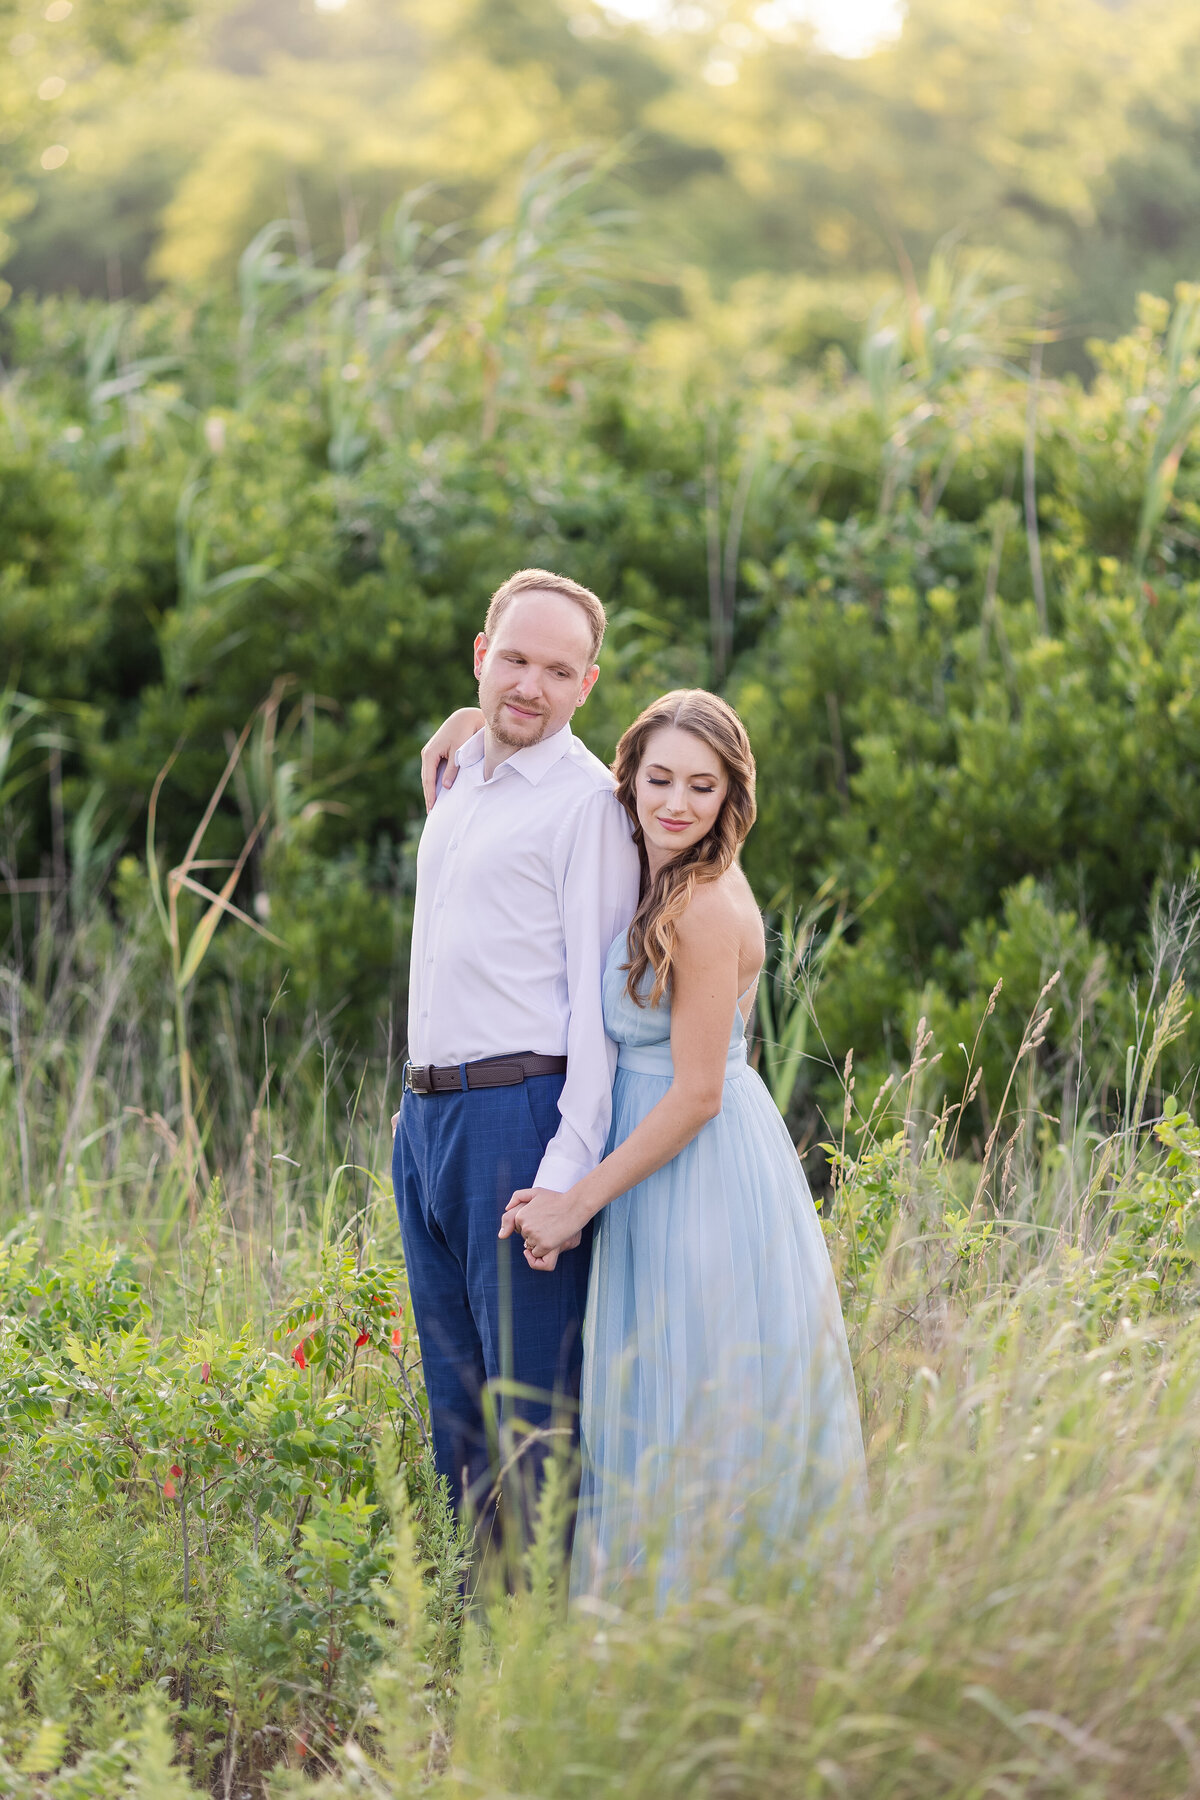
598,890
443,747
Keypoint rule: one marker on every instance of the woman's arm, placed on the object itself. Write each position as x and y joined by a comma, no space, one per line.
703,1000
443,747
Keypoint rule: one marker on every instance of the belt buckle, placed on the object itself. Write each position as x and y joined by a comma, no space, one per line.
419,1086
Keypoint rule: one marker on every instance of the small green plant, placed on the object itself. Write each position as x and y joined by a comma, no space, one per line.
229,1487
1150,1260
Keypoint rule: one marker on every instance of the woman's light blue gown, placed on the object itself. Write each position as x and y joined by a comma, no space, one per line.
718,1406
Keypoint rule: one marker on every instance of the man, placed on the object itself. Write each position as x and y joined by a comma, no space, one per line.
526,872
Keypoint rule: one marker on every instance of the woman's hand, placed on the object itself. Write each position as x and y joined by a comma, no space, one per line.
443,747
548,1222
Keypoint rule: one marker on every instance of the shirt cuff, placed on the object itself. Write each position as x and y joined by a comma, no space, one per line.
558,1173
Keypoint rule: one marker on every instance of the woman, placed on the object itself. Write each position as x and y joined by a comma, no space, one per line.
718,1402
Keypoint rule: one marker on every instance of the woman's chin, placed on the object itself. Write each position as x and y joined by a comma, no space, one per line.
670,843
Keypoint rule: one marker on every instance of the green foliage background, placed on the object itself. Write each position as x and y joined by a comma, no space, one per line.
864,391
975,716
1061,136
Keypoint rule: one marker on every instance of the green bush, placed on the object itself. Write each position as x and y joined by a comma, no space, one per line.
294,516
197,1519
182,540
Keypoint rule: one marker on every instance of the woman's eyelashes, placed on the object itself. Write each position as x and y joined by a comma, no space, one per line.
661,781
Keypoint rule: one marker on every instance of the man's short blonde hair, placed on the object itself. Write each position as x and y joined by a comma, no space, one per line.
526,580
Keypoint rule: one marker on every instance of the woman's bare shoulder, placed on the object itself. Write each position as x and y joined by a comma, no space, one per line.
716,909
722,920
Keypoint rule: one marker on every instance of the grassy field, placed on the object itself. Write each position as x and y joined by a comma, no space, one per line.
941,550
225,1568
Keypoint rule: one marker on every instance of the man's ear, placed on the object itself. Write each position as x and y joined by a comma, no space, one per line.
481,645
588,683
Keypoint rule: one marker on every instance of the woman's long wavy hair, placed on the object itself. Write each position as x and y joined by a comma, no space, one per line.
665,896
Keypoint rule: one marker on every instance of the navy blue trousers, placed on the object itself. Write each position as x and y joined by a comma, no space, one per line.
501,1343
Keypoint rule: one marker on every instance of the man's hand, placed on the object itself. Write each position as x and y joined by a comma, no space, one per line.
548,1222
443,747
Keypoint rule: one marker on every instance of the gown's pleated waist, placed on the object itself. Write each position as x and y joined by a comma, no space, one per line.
655,1059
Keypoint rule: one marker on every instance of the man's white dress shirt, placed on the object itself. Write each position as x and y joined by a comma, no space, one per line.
523,882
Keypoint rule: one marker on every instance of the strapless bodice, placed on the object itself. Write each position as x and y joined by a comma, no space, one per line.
642,1034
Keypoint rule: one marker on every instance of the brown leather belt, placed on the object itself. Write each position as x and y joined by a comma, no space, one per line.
488,1072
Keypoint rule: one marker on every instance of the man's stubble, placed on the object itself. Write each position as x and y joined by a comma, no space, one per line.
513,740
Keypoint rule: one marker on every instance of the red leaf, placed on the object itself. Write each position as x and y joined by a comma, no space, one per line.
176,1471
299,1358
205,1371
362,1338
168,1489
396,1344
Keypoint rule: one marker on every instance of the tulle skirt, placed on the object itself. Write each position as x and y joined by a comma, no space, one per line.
718,1404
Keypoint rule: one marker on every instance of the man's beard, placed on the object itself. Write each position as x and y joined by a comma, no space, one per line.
511,739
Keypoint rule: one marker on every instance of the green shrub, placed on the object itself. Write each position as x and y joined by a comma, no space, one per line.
197,1518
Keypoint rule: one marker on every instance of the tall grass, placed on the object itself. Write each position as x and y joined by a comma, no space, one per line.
1015,1614
120,1096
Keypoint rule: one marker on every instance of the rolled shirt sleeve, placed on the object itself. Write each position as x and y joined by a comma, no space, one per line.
596,869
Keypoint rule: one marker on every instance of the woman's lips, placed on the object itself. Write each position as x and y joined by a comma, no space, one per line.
673,824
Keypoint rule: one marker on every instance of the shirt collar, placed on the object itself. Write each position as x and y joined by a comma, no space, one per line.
533,762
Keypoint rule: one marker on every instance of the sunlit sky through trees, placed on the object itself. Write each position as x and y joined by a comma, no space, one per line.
847,27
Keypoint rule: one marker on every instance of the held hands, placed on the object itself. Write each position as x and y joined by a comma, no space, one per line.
443,747
548,1222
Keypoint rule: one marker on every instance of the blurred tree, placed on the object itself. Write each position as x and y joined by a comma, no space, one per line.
1063,137
55,49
